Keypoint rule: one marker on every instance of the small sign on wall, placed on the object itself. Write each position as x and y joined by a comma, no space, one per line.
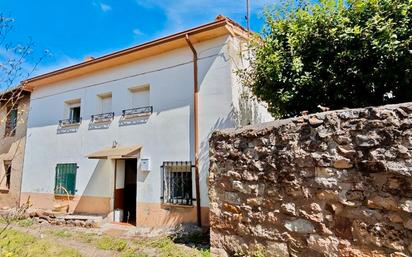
145,164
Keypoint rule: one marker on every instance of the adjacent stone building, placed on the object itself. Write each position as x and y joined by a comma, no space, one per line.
331,184
14,107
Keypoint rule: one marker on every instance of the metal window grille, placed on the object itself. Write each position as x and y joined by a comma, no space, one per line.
177,183
137,112
69,122
103,117
7,167
65,179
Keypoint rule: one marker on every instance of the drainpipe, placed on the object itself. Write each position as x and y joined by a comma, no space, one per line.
196,127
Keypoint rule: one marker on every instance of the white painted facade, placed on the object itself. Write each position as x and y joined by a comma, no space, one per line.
164,81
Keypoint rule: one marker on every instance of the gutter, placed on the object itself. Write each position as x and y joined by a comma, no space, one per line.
196,127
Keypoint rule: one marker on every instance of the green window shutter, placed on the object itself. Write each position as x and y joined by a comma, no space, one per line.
13,118
66,178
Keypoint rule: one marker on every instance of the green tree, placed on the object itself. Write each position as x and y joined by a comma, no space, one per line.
333,53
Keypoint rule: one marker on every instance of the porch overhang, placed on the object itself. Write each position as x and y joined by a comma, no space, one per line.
114,153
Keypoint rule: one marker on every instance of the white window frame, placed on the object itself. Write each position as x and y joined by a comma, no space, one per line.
137,89
100,101
69,105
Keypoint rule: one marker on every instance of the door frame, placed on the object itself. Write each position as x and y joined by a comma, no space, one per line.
115,183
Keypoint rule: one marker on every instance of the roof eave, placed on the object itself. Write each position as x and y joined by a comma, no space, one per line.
230,26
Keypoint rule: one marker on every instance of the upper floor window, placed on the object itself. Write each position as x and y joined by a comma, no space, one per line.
75,114
73,111
104,103
140,96
140,103
11,122
72,114
104,112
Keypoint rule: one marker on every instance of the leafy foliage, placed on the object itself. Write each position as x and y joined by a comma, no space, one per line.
333,53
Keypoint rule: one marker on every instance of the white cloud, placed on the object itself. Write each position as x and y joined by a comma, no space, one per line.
182,14
102,6
137,32
105,7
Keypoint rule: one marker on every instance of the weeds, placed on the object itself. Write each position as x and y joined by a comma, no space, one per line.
107,243
142,247
25,223
12,216
60,233
16,244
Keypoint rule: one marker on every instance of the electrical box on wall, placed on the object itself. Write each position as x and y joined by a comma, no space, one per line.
145,164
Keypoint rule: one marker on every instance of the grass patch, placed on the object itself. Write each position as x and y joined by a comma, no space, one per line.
168,248
16,244
142,247
107,243
89,238
205,253
60,233
25,223
133,253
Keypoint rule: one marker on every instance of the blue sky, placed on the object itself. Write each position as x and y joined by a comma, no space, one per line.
74,29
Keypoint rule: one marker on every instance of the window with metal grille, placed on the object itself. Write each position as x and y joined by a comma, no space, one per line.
11,122
177,183
65,181
7,177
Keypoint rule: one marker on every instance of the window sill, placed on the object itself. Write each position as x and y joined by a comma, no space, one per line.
171,205
102,121
63,197
71,125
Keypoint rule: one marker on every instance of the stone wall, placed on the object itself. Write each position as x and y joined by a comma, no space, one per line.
330,184
12,148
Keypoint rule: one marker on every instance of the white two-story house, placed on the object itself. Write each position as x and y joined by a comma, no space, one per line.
127,133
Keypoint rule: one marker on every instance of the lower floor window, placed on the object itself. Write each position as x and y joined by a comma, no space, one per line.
65,180
177,183
6,178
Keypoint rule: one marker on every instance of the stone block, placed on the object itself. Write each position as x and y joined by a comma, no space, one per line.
216,252
328,183
277,249
379,202
326,245
408,223
232,198
241,187
406,206
342,163
300,226
289,208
